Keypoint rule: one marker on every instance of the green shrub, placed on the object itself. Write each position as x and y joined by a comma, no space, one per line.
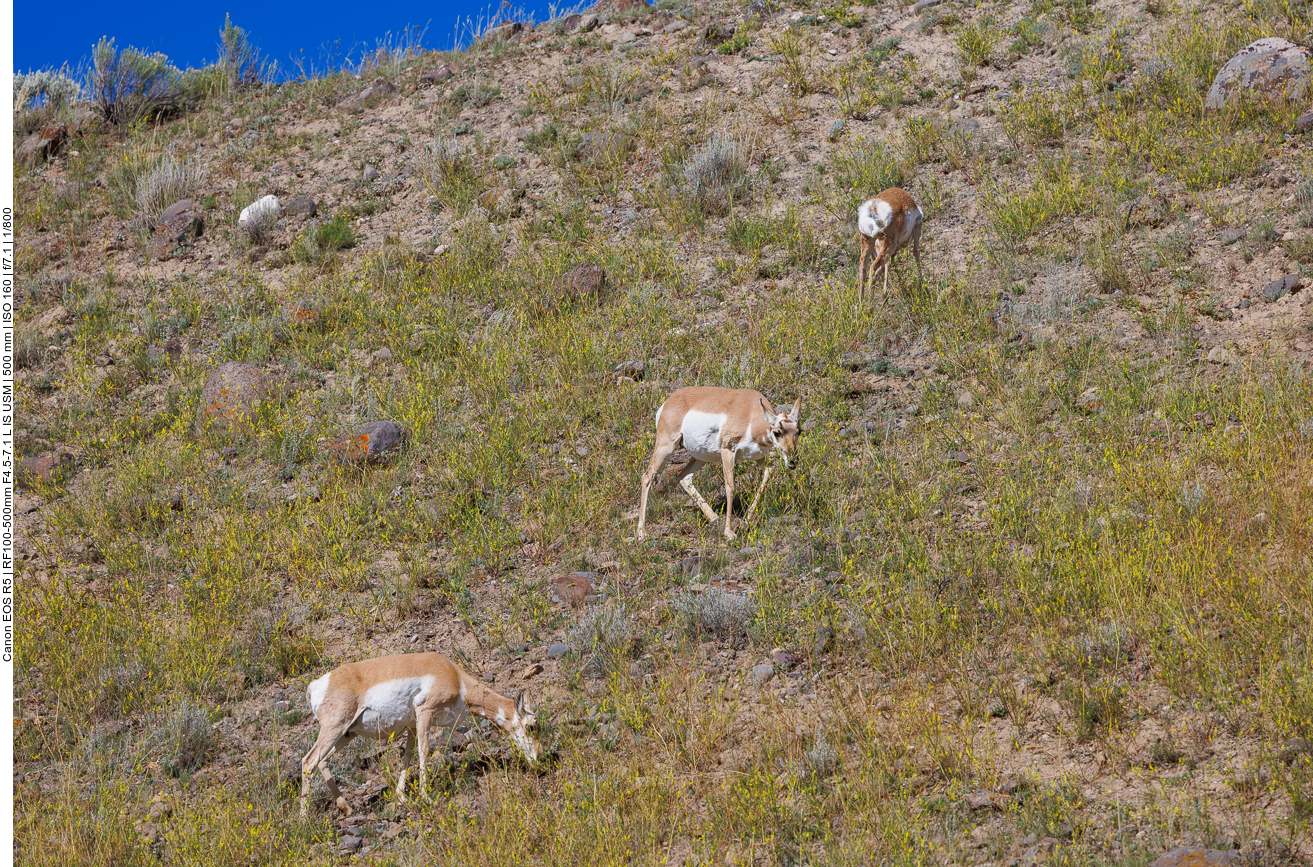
131,86
48,88
240,61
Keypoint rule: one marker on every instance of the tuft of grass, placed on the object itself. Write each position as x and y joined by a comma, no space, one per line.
715,612
169,181
606,639
717,174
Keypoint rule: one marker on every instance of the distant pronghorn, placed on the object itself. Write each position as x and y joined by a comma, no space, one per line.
885,225
411,692
722,424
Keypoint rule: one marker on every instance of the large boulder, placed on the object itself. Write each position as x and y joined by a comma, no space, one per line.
1188,856
41,146
1270,68
232,392
180,224
45,470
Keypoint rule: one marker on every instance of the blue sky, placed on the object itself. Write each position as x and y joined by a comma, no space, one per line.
47,35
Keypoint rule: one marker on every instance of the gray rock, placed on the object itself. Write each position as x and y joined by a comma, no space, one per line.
824,641
1283,286
836,128
503,33
1270,68
1188,856
633,369
557,649
762,673
437,76
180,224
675,26
605,145
231,393
587,24
371,443
371,174
301,206
718,33
922,5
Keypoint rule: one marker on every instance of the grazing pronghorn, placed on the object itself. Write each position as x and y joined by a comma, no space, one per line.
722,424
411,692
885,225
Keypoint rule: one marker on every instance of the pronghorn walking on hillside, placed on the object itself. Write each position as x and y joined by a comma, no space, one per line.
411,692
720,424
885,225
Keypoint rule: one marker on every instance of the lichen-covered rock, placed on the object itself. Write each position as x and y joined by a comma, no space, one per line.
1270,68
1185,856
370,443
232,392
45,469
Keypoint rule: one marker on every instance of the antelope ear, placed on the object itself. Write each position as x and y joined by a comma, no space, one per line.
519,704
797,408
771,418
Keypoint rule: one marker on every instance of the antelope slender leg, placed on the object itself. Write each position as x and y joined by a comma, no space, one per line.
686,482
752,509
662,451
727,466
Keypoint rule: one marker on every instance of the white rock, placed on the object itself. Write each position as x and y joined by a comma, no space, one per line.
263,212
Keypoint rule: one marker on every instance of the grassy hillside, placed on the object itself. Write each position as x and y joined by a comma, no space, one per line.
1039,591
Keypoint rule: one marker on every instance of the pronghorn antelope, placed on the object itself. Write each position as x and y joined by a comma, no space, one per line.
411,692
885,225
722,424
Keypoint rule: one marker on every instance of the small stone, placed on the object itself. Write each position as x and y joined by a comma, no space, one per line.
675,26
282,707
557,649
922,5
1090,400
1304,123
536,668
383,354
1219,355
371,174
782,658
982,800
437,76
762,673
1293,748
824,641
715,34
836,128
349,845
965,400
